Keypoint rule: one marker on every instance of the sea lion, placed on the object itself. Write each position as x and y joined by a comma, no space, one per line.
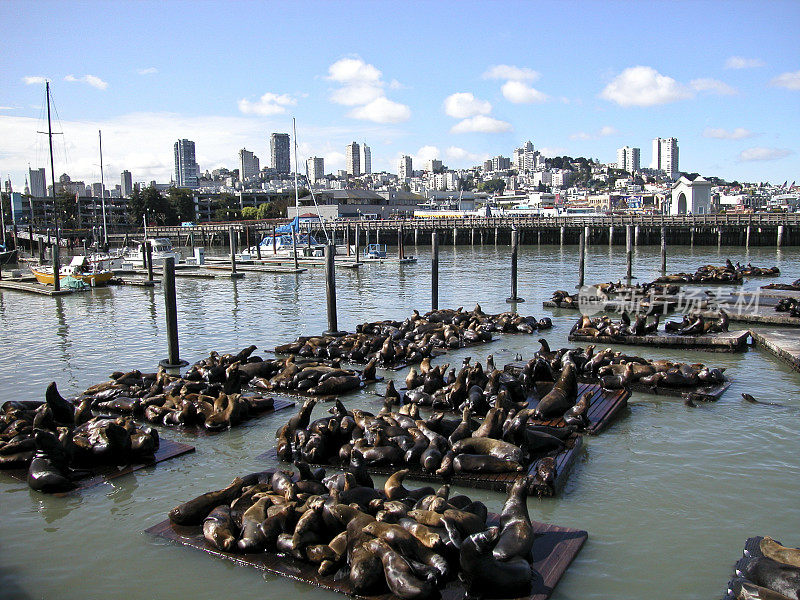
516,535
746,590
578,414
196,510
751,400
561,397
63,411
490,447
218,528
252,537
487,577
772,549
480,463
768,573
366,570
400,577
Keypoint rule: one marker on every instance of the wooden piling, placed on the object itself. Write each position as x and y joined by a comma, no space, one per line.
357,241
274,241
663,250
629,252
581,259
435,270
330,289
472,236
514,254
170,300
496,233
779,241
455,235
719,237
147,258
747,237
610,235
416,236
232,242
636,235
561,238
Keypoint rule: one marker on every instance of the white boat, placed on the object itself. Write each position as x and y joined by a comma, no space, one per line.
161,248
281,244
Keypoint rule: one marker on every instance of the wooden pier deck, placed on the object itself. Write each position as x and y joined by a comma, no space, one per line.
763,314
32,288
730,341
185,273
554,549
102,474
257,268
605,405
783,344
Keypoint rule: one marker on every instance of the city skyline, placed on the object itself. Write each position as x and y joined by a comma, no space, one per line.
732,105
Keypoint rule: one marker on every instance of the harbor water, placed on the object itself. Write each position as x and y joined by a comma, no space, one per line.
668,494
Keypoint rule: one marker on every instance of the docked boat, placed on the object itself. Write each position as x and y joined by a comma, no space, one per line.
80,268
160,248
7,256
281,244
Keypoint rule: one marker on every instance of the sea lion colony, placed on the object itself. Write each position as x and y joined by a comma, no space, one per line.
410,542
729,273
794,286
604,326
789,305
503,442
770,572
615,370
57,442
395,343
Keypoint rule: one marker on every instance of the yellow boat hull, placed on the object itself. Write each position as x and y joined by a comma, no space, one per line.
99,278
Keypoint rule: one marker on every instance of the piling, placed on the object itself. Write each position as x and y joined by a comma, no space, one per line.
357,241
581,259
416,236
435,271
168,284
274,242
54,251
514,254
347,238
719,237
663,250
258,248
561,236
455,235
402,249
147,257
232,241
611,235
691,238
636,235
496,232
747,237
330,289
41,251
472,236
629,252
780,236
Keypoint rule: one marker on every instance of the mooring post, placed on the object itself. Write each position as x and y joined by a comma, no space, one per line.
514,253
168,283
561,236
581,259
347,238
274,241
610,235
747,237
636,235
472,236
258,246
357,240
629,251
147,257
496,232
691,237
455,234
330,289
402,248
232,240
416,236
435,270
780,236
41,250
663,250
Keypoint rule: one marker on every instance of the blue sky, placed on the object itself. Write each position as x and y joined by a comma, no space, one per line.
461,81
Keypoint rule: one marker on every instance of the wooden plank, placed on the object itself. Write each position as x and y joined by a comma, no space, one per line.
730,341
605,405
783,344
760,314
33,288
101,474
554,549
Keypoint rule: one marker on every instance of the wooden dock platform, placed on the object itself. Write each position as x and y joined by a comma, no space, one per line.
764,314
661,306
32,288
185,273
605,405
554,549
258,268
783,344
167,449
729,341
565,459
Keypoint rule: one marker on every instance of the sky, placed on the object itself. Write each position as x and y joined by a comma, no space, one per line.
460,81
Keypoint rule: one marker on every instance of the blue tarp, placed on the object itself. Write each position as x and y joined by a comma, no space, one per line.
289,227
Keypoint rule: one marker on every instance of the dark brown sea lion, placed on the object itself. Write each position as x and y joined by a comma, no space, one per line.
194,511
768,573
746,590
252,538
487,577
578,414
218,528
63,411
479,463
516,533
561,398
366,570
400,577
489,447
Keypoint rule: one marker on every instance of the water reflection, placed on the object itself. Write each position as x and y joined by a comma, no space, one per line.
52,508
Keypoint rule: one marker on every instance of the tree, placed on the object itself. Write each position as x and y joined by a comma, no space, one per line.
491,186
66,209
159,210
276,209
135,207
250,213
182,203
226,208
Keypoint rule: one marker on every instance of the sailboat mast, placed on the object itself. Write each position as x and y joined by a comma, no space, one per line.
56,266
103,190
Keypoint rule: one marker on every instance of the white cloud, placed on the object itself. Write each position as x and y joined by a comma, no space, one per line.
91,80
759,153
739,133
521,93
644,86
481,124
605,131
268,104
147,71
581,135
395,85
464,157
354,95
353,71
737,62
790,81
382,110
511,72
554,151
6,108
334,161
33,79
713,85
425,154
463,104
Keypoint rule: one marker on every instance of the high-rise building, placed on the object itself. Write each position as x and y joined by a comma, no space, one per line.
279,152
433,165
316,168
126,184
38,182
404,171
185,165
628,159
665,156
249,165
526,158
501,163
353,155
366,160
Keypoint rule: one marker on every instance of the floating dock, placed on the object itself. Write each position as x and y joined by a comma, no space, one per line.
729,341
604,407
498,482
783,344
761,314
32,288
257,268
554,549
182,273
102,474
662,306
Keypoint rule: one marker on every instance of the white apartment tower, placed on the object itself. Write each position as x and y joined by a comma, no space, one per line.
38,182
353,156
404,170
279,152
126,184
249,165
526,158
366,160
665,156
628,159
185,165
316,169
